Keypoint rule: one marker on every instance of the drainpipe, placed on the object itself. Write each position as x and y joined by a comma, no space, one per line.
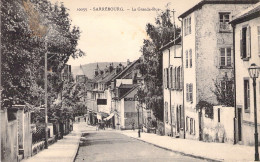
234,64
183,107
170,94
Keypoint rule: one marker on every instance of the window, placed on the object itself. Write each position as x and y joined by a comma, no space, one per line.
246,95
224,19
164,78
187,26
226,87
225,57
189,92
245,43
174,78
258,33
190,58
187,59
191,126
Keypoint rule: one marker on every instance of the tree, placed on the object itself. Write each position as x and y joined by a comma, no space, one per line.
151,66
30,28
224,91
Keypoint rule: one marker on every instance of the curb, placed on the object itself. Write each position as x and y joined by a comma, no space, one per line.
76,152
178,152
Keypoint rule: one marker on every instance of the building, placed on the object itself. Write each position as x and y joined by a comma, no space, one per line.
246,26
124,87
207,45
173,89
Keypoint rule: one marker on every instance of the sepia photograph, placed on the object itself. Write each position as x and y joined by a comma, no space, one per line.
130,80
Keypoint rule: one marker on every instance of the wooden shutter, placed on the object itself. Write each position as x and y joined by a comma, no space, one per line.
187,92
241,44
173,79
191,92
181,78
248,42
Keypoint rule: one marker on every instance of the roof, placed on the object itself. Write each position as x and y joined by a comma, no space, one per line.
108,76
201,3
177,41
247,14
133,88
125,69
126,86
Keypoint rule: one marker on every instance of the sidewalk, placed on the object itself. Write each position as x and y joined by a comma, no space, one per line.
63,150
203,150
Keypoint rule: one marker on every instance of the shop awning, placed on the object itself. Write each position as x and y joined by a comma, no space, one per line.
110,116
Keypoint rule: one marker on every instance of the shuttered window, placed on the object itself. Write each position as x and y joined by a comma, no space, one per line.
245,42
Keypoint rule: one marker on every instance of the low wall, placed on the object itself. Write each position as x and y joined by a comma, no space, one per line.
221,127
9,139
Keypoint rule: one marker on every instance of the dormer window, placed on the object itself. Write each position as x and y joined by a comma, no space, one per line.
224,18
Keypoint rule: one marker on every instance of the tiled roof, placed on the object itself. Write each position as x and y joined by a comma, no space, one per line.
249,13
201,3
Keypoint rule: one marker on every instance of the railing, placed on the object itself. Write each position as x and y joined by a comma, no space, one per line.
39,134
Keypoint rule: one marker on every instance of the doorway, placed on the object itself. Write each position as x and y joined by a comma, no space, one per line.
239,120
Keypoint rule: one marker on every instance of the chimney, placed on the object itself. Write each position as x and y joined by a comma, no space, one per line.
128,62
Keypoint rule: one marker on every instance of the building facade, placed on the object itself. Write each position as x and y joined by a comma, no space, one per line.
173,89
207,56
246,27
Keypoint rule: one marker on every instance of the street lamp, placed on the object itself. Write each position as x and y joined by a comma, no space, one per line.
137,107
253,71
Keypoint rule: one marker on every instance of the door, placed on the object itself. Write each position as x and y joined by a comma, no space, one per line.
239,120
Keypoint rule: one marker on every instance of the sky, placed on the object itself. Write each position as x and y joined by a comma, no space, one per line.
115,36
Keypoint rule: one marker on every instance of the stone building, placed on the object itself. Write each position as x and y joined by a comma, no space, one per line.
207,45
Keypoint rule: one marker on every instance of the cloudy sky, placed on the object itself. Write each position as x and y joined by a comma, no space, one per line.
115,35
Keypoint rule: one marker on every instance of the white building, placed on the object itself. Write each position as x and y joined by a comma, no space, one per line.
173,89
246,27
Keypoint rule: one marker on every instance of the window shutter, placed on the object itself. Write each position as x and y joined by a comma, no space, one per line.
164,78
181,78
167,72
173,79
248,42
241,45
187,92
191,92
170,77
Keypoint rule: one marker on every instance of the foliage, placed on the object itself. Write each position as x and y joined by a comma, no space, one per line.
208,107
29,29
151,66
224,91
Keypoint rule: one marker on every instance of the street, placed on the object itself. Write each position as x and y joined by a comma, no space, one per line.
110,145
